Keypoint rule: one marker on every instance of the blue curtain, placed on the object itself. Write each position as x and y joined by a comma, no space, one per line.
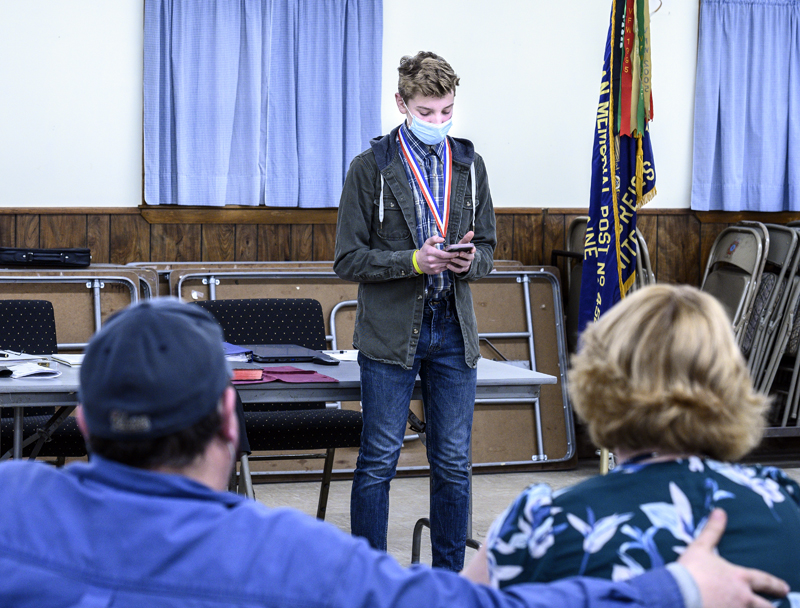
747,99
250,102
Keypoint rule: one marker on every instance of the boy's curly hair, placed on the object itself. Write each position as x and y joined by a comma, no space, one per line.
425,74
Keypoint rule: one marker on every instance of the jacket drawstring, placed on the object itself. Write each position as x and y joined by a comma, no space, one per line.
380,203
474,194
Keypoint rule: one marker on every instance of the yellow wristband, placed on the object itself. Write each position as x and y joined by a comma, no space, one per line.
414,260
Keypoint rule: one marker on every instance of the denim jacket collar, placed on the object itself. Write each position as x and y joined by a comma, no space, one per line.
141,481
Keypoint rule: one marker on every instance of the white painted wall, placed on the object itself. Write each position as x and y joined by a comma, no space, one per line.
71,103
530,81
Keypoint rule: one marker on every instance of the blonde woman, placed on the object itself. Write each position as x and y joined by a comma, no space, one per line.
660,381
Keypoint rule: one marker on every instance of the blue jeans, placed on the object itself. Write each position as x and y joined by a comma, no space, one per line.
448,395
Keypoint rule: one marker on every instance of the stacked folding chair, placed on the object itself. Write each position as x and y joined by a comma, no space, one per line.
779,377
734,268
775,368
770,306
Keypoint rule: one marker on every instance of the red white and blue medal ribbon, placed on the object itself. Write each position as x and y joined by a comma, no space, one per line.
440,215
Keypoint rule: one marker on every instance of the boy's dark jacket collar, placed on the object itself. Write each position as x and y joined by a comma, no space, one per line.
384,149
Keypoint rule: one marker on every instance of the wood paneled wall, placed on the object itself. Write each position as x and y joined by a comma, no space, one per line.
678,240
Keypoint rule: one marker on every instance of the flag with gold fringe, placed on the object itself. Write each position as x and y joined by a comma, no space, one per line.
623,173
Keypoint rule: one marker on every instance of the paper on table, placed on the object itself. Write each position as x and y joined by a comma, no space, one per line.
10,356
343,355
71,360
238,358
236,354
28,370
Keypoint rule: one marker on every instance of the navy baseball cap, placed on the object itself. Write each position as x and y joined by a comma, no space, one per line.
155,368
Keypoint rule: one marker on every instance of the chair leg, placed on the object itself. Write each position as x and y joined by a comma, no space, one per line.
416,538
245,478
327,471
232,482
42,435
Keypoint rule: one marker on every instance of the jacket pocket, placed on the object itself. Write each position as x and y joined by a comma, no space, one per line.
466,215
394,226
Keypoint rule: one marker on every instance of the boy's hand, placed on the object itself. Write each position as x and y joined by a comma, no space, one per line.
463,259
433,261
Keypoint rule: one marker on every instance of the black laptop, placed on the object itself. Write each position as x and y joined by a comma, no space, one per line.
289,353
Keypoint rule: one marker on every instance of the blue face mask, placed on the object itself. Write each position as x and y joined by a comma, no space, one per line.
429,133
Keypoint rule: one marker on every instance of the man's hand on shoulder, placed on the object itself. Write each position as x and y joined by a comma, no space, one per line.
722,584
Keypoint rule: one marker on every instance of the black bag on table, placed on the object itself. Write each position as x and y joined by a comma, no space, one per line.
23,256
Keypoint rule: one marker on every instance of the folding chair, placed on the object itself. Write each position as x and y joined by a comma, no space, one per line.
325,429
276,427
644,270
46,437
781,265
782,366
576,233
788,327
29,326
734,269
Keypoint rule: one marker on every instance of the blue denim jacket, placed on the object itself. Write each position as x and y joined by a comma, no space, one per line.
377,254
105,535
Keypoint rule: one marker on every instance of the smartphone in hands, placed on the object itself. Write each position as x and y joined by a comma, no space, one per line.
456,247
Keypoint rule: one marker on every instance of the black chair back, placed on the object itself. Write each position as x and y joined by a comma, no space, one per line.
28,326
270,321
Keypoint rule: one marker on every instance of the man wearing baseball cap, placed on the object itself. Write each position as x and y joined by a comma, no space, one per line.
146,522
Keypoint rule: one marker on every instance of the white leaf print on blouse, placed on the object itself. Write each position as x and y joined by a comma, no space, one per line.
534,532
535,525
765,487
596,533
676,517
643,540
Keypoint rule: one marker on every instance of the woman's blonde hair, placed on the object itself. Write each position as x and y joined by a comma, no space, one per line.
661,370
425,74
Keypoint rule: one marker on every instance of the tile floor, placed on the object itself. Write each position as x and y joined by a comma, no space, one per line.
409,501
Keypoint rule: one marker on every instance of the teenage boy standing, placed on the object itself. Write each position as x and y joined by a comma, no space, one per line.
405,200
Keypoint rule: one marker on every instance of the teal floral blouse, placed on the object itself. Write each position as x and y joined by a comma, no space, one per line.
641,516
